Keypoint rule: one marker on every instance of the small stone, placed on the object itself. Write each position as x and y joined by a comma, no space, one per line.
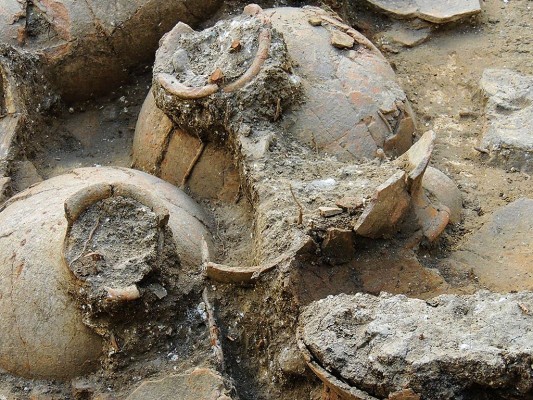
350,204
252,9
180,60
468,114
341,40
315,21
245,130
217,76
406,37
291,362
236,46
158,290
329,211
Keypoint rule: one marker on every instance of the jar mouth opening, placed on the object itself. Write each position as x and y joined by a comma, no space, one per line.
116,238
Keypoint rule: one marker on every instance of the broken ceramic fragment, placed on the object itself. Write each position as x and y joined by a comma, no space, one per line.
432,218
386,210
441,189
401,36
429,10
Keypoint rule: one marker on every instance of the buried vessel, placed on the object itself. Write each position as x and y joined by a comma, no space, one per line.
86,47
99,247
302,116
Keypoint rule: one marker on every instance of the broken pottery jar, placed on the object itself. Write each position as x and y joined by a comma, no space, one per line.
84,255
302,120
448,347
88,46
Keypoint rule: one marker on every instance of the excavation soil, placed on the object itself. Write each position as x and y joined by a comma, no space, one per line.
113,244
441,78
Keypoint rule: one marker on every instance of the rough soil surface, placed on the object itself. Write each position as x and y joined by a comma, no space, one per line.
113,244
89,134
442,78
449,347
499,255
507,136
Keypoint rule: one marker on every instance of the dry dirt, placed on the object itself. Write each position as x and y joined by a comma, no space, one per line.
440,77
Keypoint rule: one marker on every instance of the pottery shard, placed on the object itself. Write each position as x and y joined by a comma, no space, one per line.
350,203
405,37
327,212
448,347
226,274
432,218
341,40
386,209
168,152
509,116
443,190
429,10
291,362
